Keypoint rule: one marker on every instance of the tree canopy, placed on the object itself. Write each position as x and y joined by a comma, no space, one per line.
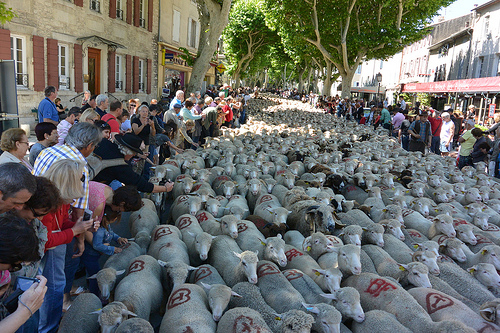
6,13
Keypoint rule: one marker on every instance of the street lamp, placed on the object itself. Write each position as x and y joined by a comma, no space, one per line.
379,79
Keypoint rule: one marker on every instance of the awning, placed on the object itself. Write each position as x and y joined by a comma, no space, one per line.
368,90
99,40
486,84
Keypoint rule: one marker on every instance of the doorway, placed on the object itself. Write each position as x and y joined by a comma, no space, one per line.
94,71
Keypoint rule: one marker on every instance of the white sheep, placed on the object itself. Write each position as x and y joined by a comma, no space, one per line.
238,206
142,223
82,315
393,227
197,241
185,204
317,244
112,315
228,224
379,321
183,185
135,325
347,301
487,275
345,257
428,258
240,319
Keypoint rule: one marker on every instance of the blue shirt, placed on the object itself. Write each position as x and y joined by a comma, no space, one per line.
47,109
102,236
422,130
175,101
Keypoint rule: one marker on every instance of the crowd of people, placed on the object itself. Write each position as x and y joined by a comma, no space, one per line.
59,197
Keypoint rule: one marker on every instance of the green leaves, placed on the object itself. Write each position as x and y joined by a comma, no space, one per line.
6,13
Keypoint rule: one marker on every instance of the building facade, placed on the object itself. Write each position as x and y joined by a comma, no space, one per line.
105,46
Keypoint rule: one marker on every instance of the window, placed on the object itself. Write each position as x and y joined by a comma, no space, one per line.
141,75
119,9
95,5
176,26
18,54
119,72
480,67
486,25
192,32
63,67
358,70
381,64
142,11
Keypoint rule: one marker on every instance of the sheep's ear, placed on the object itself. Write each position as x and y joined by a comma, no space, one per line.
263,241
306,244
191,268
310,308
489,313
256,252
472,269
279,236
120,272
319,272
95,276
403,267
237,254
129,313
162,263
206,285
96,312
236,294
329,296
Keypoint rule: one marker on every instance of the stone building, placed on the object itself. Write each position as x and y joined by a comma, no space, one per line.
105,46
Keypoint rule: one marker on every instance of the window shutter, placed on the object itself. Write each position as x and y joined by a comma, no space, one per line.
5,40
52,62
38,63
111,71
112,8
128,74
135,75
150,15
78,68
129,11
149,77
79,3
137,5
189,42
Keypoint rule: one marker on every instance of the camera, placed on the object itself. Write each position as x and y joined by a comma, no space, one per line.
87,215
151,117
22,284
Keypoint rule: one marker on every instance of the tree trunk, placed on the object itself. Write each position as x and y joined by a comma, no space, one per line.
213,19
347,83
301,79
237,79
327,85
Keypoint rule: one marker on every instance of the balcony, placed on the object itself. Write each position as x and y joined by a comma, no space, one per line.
95,5
119,85
22,80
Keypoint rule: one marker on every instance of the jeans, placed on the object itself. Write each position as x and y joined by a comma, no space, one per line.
51,310
463,161
435,143
71,266
91,263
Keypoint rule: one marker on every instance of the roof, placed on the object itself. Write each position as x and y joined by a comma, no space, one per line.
450,38
484,5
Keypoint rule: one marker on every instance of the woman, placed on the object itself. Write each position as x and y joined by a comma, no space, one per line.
18,244
143,125
124,199
14,143
60,109
104,127
67,176
86,97
90,116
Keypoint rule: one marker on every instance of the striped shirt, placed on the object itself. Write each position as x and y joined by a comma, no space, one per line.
56,153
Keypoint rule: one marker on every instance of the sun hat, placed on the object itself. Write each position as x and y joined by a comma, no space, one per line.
131,141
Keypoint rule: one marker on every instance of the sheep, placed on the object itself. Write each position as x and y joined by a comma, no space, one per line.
228,224
441,307
142,223
373,234
327,279
389,212
183,185
393,227
135,325
488,254
487,275
114,267
442,224
422,205
378,321
242,319
218,296
414,273
452,248
351,234
271,211
490,310
317,244
398,250
187,311
81,316
304,285
465,233
185,204
237,206
223,185
379,293
429,259
233,264
197,241
141,289
357,217
307,216
465,284
327,318
161,235
347,301
112,315
291,321
345,257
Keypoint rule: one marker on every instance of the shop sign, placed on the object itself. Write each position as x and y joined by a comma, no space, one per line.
492,110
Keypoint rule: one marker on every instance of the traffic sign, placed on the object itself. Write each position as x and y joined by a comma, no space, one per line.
221,68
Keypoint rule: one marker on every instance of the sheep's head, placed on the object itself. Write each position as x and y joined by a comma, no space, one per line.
348,302
275,250
106,279
248,262
112,315
418,274
327,318
218,298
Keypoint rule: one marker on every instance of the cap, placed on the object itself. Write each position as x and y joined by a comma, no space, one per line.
445,114
177,106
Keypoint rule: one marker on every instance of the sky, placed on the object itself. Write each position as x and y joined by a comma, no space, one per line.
459,8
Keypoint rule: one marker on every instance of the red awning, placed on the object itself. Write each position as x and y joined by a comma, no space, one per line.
486,84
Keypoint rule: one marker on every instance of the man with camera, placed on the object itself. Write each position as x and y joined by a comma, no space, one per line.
115,110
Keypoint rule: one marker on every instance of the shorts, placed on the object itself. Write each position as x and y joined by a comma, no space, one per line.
443,147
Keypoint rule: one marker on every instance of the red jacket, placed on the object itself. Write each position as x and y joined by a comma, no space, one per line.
436,124
58,220
228,116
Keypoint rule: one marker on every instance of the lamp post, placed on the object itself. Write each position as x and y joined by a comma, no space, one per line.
379,79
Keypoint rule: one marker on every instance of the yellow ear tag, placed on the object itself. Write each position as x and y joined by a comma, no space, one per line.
317,273
401,268
277,318
308,248
415,246
263,243
483,252
471,271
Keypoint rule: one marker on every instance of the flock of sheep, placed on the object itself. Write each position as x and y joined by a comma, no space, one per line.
298,222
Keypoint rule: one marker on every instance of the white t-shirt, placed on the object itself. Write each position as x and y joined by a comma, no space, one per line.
446,132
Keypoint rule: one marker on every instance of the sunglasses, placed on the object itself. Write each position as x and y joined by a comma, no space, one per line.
82,178
131,106
35,214
15,267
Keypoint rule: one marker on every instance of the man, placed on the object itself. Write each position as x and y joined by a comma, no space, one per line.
446,134
402,103
436,124
115,110
102,102
81,141
397,120
91,104
385,118
64,126
179,98
471,111
467,141
403,135
420,134
46,134
47,110
17,185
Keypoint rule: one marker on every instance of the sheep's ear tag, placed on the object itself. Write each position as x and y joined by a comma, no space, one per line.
309,308
277,318
317,273
415,246
261,242
401,268
384,210
471,270
309,249
483,252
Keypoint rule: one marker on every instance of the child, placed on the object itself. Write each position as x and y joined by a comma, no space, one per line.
104,235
